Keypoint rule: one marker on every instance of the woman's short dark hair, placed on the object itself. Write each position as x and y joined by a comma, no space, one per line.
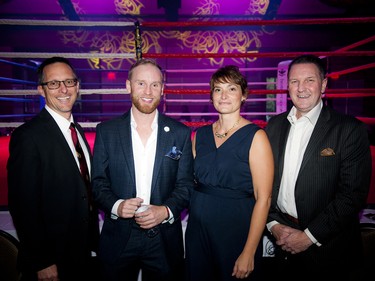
229,74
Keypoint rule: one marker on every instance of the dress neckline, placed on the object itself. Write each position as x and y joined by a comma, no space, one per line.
222,141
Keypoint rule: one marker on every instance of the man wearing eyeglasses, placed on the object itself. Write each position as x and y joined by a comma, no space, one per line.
48,196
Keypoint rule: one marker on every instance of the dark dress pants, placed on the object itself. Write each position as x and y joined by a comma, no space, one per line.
144,251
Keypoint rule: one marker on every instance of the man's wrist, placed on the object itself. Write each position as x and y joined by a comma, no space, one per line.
168,214
170,218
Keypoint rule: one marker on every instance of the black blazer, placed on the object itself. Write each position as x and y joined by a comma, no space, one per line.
113,177
330,190
47,196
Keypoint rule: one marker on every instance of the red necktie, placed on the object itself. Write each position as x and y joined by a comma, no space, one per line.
82,161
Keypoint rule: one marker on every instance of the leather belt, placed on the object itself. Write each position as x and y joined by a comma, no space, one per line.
151,233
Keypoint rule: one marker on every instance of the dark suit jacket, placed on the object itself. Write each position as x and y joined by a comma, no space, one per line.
330,190
113,177
47,196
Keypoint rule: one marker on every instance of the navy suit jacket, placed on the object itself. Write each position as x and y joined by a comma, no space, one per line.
330,190
47,196
114,178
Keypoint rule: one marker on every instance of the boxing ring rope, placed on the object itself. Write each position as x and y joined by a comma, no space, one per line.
337,74
341,52
50,23
256,22
209,70
330,93
259,22
81,92
357,44
368,92
93,55
262,55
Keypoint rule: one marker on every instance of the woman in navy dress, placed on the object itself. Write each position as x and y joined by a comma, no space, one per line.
234,173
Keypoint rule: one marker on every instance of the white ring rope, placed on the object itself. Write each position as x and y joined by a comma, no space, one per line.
67,55
206,84
215,113
207,101
189,114
81,91
17,124
63,23
103,91
213,70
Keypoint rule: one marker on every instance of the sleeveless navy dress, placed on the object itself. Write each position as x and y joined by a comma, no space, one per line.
221,205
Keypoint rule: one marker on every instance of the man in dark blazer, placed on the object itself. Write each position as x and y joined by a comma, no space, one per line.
142,160
48,199
322,177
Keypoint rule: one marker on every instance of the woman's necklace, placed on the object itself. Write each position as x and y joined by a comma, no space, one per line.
221,136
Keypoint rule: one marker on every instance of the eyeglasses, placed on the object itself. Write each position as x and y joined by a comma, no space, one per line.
55,84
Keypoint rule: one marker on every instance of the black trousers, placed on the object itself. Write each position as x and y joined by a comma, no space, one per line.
144,251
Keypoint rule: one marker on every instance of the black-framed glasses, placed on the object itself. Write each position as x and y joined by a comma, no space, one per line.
55,84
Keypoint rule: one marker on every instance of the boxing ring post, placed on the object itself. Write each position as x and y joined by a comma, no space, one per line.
282,84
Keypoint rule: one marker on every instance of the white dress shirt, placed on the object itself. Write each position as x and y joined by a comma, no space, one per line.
144,159
298,138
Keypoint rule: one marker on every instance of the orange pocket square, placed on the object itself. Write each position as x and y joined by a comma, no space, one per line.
327,152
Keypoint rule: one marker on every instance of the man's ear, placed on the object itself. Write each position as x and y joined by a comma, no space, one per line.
128,87
324,85
41,91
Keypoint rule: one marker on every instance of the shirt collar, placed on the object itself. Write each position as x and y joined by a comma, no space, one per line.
154,122
62,122
312,116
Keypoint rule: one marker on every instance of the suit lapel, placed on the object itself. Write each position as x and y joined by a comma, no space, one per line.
54,131
124,130
282,144
161,147
320,130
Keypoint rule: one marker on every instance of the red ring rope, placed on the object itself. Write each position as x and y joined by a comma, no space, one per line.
260,22
261,55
